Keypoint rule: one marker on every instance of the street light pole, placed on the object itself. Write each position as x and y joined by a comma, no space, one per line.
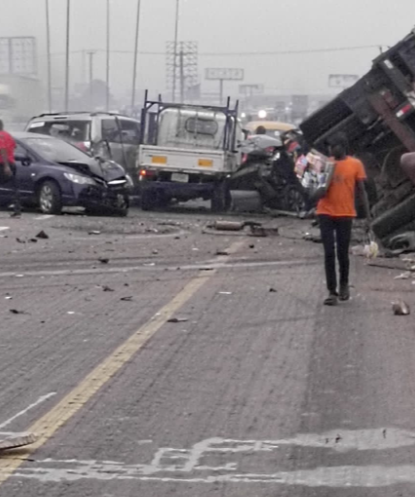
176,42
108,56
91,79
137,33
68,35
49,63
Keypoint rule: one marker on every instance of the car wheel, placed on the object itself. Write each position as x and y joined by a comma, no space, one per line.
148,199
294,200
49,198
123,204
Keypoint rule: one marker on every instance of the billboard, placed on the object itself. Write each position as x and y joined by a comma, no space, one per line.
251,89
224,74
342,81
18,55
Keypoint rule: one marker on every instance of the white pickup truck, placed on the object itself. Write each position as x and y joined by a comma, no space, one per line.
187,152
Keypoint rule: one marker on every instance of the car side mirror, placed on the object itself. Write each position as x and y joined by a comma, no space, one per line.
25,160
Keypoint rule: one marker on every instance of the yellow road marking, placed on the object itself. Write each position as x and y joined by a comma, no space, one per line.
73,402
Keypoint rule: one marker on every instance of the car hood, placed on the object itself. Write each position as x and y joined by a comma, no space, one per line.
106,170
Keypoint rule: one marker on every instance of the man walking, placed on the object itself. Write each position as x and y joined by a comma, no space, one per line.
336,211
8,167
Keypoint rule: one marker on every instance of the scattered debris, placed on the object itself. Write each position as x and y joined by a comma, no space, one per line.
71,312
103,260
403,276
42,235
252,246
228,226
155,252
177,320
126,299
15,311
401,308
94,232
225,293
33,240
273,290
310,237
106,288
20,240
18,441
149,264
222,252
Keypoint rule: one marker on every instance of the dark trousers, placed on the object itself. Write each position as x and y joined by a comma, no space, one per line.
11,182
336,233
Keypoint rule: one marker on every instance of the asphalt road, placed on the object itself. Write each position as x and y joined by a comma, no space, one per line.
153,359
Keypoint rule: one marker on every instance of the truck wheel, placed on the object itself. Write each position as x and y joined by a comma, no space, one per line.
148,200
220,201
49,198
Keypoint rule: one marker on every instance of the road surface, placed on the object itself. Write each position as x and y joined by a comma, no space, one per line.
153,359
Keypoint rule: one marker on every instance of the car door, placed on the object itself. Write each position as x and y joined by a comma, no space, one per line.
25,172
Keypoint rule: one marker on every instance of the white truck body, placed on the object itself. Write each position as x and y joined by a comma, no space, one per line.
189,141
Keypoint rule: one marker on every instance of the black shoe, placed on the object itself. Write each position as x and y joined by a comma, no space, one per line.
332,300
344,295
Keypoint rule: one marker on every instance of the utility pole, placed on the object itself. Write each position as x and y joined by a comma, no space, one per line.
91,79
137,34
49,62
107,96
182,82
176,40
68,37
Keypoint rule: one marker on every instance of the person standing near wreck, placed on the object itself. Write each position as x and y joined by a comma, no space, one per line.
8,167
336,211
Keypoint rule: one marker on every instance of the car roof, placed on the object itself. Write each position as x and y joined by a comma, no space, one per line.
79,116
21,135
270,125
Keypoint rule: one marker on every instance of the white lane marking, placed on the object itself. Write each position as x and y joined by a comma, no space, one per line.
39,401
197,465
195,267
44,217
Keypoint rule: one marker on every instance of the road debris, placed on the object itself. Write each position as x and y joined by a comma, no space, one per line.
104,260
401,308
272,290
126,299
404,276
225,293
42,235
17,441
222,252
94,232
15,311
106,288
178,320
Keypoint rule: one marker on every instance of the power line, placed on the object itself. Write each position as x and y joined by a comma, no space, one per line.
247,54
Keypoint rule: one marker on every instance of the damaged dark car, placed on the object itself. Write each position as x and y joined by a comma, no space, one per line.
53,174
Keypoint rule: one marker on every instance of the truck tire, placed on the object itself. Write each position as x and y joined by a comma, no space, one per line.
220,200
148,199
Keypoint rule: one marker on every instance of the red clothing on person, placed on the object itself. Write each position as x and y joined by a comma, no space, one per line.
8,144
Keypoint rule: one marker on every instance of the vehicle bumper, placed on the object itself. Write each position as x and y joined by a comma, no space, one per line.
179,189
90,196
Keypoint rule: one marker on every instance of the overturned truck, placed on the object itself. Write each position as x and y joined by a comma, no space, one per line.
378,116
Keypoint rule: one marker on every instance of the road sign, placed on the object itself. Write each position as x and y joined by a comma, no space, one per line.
251,89
18,56
342,81
224,74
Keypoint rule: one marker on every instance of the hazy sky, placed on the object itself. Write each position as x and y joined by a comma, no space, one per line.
220,26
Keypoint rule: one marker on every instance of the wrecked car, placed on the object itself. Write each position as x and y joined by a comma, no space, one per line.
269,170
53,174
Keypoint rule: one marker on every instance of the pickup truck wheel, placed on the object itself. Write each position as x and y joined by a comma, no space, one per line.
49,198
148,200
221,199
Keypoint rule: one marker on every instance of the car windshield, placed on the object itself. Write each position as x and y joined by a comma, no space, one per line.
56,150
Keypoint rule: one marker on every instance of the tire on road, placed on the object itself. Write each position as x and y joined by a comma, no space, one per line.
148,199
49,197
221,198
